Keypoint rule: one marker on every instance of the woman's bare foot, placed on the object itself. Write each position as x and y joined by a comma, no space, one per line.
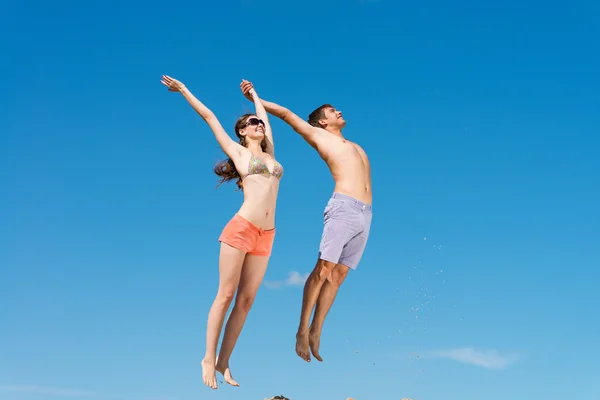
314,341
302,346
224,369
208,374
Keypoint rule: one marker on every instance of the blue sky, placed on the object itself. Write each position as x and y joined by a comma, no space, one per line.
482,125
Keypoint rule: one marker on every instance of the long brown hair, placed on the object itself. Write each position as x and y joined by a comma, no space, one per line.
226,168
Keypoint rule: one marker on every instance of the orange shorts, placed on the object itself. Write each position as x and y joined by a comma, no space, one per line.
247,237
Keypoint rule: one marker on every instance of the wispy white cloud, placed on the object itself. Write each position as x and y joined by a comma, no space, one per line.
490,359
294,278
48,391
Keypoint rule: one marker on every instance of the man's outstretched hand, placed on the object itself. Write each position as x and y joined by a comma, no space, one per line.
247,89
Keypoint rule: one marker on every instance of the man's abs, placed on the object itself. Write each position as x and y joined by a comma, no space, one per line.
354,187
352,173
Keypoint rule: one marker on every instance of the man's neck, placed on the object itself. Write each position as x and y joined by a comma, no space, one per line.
335,131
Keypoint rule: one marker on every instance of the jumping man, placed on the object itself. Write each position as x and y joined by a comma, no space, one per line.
347,217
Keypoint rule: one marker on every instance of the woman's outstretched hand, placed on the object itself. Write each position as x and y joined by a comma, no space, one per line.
173,84
247,89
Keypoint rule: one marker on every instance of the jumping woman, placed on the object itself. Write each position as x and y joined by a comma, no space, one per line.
247,239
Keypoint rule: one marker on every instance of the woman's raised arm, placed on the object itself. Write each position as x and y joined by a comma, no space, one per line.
250,93
229,146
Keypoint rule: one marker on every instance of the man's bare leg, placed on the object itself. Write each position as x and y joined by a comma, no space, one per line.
324,303
312,288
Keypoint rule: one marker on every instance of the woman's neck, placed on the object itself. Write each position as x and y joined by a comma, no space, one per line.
255,148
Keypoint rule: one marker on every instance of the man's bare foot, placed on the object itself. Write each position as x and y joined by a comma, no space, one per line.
226,372
302,346
314,341
208,374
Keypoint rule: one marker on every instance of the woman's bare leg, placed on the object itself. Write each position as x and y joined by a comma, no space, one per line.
230,268
253,272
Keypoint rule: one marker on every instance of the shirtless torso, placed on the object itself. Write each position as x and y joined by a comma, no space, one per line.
348,164
260,178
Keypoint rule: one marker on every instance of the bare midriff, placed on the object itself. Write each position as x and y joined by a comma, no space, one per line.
260,200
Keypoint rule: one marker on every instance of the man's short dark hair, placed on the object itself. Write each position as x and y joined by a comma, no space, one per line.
318,114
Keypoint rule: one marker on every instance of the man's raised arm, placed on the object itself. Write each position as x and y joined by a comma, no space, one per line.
307,131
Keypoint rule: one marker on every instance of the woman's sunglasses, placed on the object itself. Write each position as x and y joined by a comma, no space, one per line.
255,122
